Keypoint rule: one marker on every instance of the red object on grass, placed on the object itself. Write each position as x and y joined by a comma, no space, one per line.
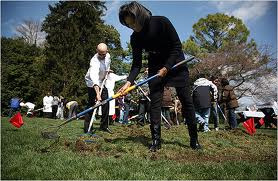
250,126
17,120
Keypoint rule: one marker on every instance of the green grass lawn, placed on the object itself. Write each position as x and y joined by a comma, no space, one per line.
124,155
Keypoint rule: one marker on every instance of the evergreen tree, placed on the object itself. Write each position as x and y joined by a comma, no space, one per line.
74,29
19,75
217,30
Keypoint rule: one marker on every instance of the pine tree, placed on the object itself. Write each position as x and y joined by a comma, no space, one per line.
74,29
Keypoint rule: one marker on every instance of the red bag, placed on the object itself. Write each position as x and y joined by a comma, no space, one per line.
17,120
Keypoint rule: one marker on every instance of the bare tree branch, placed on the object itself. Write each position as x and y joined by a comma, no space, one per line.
30,30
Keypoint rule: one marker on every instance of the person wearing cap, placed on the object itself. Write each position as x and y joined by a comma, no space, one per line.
94,78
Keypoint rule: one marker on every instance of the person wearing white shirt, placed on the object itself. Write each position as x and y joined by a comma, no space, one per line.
110,84
94,78
47,105
30,107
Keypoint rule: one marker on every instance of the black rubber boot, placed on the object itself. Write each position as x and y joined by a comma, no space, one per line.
156,135
194,143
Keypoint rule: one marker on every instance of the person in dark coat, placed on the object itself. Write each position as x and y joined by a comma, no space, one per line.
230,102
157,36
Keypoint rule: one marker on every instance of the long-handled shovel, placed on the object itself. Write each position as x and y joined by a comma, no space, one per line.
51,132
101,89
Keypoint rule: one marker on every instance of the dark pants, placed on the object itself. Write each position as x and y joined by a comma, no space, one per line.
215,116
144,107
186,101
104,109
54,111
183,93
232,118
47,115
126,113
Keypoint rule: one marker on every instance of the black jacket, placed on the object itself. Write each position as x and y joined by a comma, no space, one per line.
201,97
160,39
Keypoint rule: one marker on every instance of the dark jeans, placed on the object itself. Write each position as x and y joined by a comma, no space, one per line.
232,118
104,109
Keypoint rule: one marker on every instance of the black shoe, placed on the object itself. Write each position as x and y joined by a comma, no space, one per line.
156,145
194,144
107,130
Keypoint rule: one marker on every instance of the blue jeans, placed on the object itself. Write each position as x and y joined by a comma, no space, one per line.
202,117
232,118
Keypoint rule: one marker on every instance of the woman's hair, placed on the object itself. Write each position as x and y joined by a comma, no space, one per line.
224,82
136,11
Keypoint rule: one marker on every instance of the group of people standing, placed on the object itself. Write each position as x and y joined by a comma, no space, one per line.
56,107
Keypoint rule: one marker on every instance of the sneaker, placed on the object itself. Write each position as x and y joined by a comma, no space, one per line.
217,129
